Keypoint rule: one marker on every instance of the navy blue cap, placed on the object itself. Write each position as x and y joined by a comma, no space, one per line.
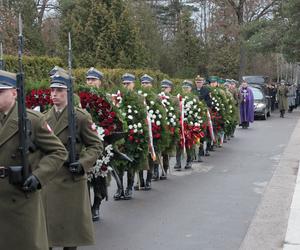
7,80
60,80
146,79
187,84
94,74
128,78
57,69
165,83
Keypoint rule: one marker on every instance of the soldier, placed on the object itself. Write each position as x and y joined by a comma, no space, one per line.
67,203
94,78
203,94
22,216
166,87
187,87
128,82
152,167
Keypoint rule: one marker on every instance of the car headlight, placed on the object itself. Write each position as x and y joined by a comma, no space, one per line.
261,106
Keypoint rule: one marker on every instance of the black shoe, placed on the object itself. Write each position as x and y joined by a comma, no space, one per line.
155,176
206,154
163,177
128,194
188,165
177,167
119,194
148,186
95,214
140,187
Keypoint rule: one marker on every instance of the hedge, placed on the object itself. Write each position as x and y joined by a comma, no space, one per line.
36,70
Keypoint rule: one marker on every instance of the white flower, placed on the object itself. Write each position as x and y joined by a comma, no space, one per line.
135,111
171,108
135,130
168,103
194,100
129,106
168,123
171,120
154,116
152,102
201,121
195,106
124,114
174,116
152,121
157,111
159,116
140,92
135,126
139,125
190,112
141,131
191,123
170,115
130,127
197,124
212,103
217,104
145,94
129,111
167,110
157,123
130,117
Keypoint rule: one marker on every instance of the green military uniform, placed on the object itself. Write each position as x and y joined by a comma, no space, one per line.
22,219
67,203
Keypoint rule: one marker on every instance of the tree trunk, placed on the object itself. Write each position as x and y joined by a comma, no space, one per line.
242,60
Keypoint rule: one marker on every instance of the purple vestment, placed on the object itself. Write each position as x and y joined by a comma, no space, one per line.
247,105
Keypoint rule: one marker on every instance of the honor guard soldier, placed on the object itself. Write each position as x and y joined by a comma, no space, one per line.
187,87
67,202
166,87
22,217
94,78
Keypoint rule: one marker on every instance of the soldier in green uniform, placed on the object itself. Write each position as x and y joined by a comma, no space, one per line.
282,94
187,87
94,79
152,166
22,216
66,199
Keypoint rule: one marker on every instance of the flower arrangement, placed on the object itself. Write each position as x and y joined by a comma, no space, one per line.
172,117
194,120
157,115
134,113
39,98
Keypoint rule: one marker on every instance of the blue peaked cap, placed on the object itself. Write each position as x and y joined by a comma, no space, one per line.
94,73
8,80
60,80
187,83
128,78
146,79
165,83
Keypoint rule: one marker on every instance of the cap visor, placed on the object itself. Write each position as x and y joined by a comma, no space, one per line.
58,85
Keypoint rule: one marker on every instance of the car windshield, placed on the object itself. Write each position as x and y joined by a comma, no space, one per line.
257,94
255,79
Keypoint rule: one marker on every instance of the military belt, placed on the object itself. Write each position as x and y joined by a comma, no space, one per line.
3,172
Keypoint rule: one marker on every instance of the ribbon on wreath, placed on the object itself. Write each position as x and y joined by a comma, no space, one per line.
151,145
181,107
210,127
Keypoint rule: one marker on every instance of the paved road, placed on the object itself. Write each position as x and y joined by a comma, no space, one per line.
210,207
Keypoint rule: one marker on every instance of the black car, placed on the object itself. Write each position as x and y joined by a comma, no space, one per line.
258,80
261,106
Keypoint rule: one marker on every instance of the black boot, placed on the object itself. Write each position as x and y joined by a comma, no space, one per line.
148,180
120,191
96,208
128,191
155,176
142,182
188,163
165,166
178,162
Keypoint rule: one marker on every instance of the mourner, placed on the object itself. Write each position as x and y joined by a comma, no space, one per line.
22,217
282,94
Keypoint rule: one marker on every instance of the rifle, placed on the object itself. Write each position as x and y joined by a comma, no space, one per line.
18,174
71,113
